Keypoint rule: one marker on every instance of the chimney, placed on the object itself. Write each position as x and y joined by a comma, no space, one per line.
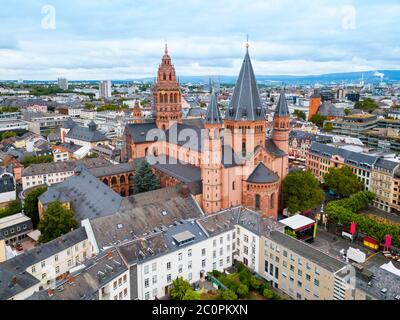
109,255
14,280
71,280
50,292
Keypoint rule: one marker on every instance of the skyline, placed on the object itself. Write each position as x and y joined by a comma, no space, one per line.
124,40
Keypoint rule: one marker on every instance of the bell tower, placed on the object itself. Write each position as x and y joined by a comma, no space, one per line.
166,94
280,133
211,166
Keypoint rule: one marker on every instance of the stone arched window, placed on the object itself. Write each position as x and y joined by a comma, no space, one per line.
161,98
272,200
175,98
164,76
105,181
114,181
165,98
257,202
122,180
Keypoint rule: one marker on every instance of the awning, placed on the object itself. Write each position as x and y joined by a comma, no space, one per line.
34,235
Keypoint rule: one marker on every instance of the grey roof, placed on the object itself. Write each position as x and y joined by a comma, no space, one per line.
86,134
128,167
69,123
357,159
195,112
187,135
386,164
90,198
144,213
262,174
328,109
51,195
24,281
308,136
71,147
138,131
307,251
245,104
43,168
213,115
282,109
271,148
229,157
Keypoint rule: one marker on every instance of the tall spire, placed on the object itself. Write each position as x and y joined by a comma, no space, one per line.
282,109
213,115
166,48
245,104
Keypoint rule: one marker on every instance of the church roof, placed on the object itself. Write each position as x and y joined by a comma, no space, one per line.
271,148
328,109
89,134
213,115
262,174
245,104
282,109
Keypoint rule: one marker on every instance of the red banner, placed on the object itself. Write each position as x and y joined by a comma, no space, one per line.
353,228
388,241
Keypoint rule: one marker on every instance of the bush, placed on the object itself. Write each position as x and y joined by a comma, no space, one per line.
268,294
255,283
242,290
228,295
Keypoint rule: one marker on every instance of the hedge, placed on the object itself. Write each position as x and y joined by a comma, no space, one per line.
344,211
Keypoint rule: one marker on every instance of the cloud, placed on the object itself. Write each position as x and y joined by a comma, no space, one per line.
101,39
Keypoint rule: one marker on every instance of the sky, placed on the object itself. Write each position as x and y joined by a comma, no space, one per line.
124,39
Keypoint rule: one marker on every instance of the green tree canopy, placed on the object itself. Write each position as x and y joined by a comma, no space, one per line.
228,295
180,287
56,221
328,126
300,114
318,120
144,179
31,204
12,208
367,104
343,181
347,111
28,160
301,191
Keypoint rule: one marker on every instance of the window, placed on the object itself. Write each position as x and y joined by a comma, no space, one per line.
291,268
154,266
43,264
228,259
69,263
228,247
33,269
284,253
119,281
203,263
126,292
300,273
214,254
299,284
246,250
120,295
190,276
56,257
214,266
180,269
115,297
168,277
316,282
277,259
180,256
284,263
125,278
147,296
228,237
246,238
308,277
221,240
276,272
203,252
266,266
146,283
189,252
68,252
221,251
214,243
154,279
168,265
146,269
190,264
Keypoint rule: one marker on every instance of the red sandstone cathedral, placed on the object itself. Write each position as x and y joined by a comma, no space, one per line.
223,162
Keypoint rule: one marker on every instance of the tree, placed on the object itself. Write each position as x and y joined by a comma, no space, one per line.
28,160
179,288
301,191
242,290
56,221
144,179
12,208
300,114
328,126
318,120
347,111
228,295
191,295
31,204
343,181
367,104
268,294
8,134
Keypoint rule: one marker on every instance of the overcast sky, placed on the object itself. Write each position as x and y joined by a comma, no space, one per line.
124,39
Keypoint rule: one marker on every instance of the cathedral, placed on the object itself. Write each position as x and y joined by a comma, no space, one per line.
223,161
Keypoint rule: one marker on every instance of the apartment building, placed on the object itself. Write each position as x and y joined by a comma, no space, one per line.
55,172
41,267
300,142
353,125
39,123
377,173
15,228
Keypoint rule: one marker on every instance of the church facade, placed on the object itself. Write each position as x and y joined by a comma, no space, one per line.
230,158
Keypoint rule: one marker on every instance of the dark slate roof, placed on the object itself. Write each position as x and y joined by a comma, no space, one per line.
357,159
195,112
6,183
282,109
262,174
213,115
184,134
24,281
86,134
138,131
90,198
309,136
386,164
52,195
71,147
113,169
245,104
69,124
271,148
328,109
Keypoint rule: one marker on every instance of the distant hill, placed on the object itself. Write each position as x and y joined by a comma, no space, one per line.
389,76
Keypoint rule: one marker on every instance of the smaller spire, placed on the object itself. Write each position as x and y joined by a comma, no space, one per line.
166,47
282,109
247,42
213,115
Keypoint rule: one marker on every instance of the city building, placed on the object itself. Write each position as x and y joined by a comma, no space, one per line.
354,125
386,139
62,83
15,228
105,89
60,153
8,188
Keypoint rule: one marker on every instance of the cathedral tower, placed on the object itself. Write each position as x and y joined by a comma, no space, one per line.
211,166
281,130
167,95
245,121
